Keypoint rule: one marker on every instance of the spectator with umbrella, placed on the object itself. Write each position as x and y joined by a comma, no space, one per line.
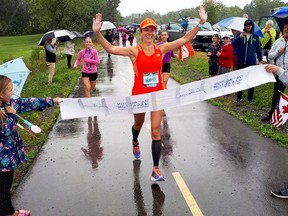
50,56
124,38
69,51
61,35
248,47
109,37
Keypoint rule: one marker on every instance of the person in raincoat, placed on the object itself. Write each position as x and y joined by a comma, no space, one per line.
248,47
69,51
12,151
184,21
269,38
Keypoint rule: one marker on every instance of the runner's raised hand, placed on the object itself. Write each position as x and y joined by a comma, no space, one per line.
97,22
202,14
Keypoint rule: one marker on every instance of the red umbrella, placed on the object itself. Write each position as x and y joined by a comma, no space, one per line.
122,29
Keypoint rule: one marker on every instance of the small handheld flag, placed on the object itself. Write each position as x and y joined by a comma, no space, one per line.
280,114
186,51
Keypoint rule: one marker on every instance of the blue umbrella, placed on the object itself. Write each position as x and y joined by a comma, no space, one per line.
17,71
237,23
281,17
135,25
88,33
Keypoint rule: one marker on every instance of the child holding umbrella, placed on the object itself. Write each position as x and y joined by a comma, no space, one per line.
12,152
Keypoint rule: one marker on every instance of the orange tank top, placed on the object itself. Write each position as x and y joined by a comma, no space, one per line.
147,72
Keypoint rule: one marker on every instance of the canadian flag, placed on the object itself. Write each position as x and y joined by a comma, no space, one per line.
280,115
185,51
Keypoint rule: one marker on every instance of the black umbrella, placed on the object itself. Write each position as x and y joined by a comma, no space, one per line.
78,34
62,35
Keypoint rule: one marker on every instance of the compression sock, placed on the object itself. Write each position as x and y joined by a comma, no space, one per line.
135,134
156,151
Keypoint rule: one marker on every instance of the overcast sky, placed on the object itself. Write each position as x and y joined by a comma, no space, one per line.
127,7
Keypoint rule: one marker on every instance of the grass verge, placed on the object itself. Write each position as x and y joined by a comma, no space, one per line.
64,82
196,68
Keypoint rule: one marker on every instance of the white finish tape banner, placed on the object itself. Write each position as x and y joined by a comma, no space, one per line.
181,95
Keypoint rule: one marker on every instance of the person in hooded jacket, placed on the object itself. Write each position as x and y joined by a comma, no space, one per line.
247,45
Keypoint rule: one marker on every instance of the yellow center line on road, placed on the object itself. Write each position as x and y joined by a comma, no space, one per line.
191,202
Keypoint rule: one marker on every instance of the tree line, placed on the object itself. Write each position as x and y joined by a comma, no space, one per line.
20,17
216,11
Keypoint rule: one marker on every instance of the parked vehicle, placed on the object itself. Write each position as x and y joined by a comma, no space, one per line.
222,31
160,28
204,36
175,31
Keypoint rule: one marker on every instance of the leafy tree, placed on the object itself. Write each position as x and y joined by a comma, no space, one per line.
258,8
215,9
60,14
110,12
13,17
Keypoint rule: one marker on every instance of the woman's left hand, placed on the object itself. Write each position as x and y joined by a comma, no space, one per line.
97,23
202,14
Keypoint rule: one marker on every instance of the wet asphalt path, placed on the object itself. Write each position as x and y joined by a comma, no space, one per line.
86,167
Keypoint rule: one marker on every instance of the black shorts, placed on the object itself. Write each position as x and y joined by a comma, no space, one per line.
166,68
92,76
213,70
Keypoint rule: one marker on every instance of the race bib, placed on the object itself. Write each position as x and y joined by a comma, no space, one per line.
150,79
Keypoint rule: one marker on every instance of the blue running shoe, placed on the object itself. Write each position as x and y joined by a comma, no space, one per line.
136,149
156,176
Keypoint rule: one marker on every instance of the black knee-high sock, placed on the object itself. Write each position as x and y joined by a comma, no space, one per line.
156,151
135,134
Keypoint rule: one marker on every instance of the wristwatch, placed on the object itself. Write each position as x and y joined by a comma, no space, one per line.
200,25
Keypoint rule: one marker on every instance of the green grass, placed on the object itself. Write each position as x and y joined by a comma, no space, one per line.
196,68
63,84
17,46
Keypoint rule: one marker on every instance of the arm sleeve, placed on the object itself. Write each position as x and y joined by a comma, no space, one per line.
236,39
181,16
22,105
258,50
50,48
283,76
273,53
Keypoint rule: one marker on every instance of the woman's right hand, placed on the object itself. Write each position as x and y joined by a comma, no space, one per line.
97,22
10,109
271,68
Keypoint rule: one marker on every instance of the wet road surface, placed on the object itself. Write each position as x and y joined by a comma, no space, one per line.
86,167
